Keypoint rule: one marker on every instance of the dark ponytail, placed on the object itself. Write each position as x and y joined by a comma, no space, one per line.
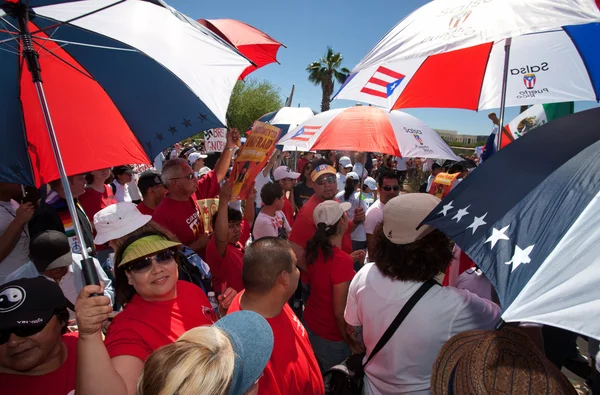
320,242
349,188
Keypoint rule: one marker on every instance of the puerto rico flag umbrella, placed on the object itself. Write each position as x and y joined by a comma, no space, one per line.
529,217
122,81
368,129
451,54
257,46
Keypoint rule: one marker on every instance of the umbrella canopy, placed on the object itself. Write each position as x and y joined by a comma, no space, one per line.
451,54
529,217
256,45
369,129
287,118
123,80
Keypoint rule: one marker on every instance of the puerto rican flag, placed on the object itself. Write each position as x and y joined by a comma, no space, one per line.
383,82
305,133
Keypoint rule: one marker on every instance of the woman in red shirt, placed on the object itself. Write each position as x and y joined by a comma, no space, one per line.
97,194
158,310
330,271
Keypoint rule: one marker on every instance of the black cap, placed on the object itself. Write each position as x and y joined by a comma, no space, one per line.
50,250
148,179
118,170
29,302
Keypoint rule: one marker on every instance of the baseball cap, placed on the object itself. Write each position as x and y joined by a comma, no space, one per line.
284,172
329,212
50,250
29,302
403,214
117,170
146,246
345,162
320,170
497,361
194,156
371,183
203,171
118,220
148,179
251,352
352,175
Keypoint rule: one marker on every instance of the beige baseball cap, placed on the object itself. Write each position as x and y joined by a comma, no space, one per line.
329,212
403,214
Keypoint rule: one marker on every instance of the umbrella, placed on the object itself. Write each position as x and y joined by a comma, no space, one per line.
287,118
110,71
483,54
369,129
529,217
257,46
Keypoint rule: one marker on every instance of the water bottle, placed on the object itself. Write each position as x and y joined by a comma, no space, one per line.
213,302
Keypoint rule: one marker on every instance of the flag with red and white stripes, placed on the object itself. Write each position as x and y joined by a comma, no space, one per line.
305,133
383,82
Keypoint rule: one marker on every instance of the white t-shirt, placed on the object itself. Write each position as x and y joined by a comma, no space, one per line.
404,364
401,164
121,192
132,188
341,181
20,254
476,282
359,233
359,169
259,182
374,216
265,226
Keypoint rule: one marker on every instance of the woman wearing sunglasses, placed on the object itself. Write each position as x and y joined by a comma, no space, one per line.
158,310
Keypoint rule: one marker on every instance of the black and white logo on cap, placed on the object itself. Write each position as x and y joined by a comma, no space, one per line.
11,298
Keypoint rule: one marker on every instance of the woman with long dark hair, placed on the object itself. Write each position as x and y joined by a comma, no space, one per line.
330,271
304,190
351,194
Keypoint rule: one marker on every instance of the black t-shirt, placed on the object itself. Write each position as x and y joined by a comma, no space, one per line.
302,193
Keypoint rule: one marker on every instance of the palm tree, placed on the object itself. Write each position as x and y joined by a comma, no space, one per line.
324,72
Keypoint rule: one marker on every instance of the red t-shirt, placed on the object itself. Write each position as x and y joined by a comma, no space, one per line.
208,186
142,208
293,368
59,382
227,270
181,218
144,326
300,165
318,314
288,210
93,201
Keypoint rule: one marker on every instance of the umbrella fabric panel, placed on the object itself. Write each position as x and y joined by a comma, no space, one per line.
15,166
202,63
564,291
87,123
585,38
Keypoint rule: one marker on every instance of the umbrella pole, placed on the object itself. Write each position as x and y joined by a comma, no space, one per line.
32,58
507,45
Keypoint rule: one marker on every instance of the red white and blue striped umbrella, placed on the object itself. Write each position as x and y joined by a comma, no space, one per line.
452,54
529,217
122,79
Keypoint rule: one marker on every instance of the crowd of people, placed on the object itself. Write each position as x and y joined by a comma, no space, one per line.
262,296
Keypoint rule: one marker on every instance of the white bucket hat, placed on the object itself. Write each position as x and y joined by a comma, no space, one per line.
118,220
402,215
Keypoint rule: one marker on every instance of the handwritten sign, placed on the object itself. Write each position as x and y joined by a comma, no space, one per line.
215,139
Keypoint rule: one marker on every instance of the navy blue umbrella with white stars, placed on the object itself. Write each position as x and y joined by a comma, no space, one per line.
530,219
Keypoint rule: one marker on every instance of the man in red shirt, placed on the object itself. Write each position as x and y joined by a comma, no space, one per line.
325,185
271,277
153,191
35,356
287,179
225,250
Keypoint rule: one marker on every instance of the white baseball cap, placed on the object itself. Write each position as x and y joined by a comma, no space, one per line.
402,215
284,172
352,175
118,220
329,212
194,156
345,162
371,183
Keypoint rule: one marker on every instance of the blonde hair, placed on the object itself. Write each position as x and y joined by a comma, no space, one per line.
200,361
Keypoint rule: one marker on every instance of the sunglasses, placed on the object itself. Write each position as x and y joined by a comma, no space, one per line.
20,332
190,176
326,181
388,188
142,265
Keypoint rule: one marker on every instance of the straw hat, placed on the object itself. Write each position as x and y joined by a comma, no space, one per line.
495,362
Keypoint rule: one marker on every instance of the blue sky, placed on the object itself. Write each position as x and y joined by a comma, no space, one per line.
351,27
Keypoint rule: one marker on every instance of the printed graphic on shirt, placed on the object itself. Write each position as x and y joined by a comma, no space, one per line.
194,223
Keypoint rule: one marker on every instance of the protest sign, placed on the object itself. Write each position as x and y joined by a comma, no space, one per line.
215,139
208,208
252,157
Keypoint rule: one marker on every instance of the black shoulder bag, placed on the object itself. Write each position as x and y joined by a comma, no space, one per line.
347,378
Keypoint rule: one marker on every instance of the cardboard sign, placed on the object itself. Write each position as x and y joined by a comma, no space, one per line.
208,208
215,140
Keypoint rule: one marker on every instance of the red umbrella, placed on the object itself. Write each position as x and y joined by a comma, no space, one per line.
257,46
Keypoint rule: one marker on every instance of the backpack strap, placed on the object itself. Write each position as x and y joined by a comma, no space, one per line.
387,335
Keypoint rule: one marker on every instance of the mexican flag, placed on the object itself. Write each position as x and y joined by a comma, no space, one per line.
532,118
